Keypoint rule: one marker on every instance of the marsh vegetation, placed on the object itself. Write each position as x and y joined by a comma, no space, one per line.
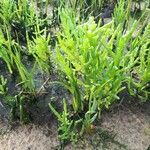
72,60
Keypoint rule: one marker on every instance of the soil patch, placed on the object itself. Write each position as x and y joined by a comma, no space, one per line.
126,126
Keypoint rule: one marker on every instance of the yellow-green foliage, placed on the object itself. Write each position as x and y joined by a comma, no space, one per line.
6,49
142,70
96,60
6,11
40,49
3,88
92,64
27,77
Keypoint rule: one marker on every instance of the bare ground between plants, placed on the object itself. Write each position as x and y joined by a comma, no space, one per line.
124,126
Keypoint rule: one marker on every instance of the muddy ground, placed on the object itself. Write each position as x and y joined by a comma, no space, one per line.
126,126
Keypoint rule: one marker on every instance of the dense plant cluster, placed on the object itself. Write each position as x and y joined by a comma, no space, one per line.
95,61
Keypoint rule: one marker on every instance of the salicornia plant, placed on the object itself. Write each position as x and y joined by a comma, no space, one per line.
39,48
3,88
121,13
95,60
6,53
141,72
66,124
27,77
7,8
